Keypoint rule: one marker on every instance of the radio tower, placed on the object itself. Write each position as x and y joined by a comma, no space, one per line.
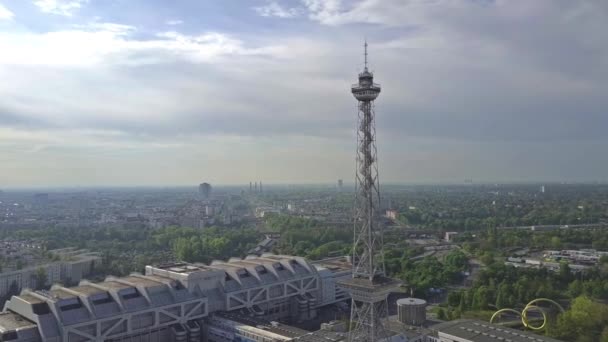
369,287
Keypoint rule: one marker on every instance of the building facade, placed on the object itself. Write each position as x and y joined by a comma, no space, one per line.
170,302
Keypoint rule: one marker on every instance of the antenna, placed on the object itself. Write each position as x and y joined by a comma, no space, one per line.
365,47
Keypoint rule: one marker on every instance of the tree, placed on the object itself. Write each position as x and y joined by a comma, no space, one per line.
40,278
584,321
183,249
501,300
575,288
454,298
564,272
457,260
487,258
604,337
13,290
464,301
480,298
441,314
556,242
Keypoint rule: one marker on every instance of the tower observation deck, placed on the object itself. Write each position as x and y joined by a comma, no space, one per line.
369,287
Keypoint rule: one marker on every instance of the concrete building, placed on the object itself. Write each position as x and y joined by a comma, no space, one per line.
330,272
73,266
237,300
392,214
170,302
223,327
449,236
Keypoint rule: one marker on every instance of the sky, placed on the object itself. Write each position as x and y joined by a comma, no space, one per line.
151,92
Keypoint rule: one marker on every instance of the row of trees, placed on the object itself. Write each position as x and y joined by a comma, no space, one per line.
478,207
131,248
309,238
501,286
495,241
422,275
210,244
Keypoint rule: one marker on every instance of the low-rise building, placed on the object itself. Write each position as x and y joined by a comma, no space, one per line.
465,330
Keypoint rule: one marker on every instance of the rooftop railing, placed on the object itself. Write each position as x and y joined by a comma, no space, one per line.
373,85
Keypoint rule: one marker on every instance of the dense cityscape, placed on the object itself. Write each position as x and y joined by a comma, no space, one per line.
466,250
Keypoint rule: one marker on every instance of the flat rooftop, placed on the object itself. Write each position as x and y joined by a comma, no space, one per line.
10,321
31,299
59,293
480,331
183,267
114,285
274,327
323,336
377,283
142,281
335,264
87,289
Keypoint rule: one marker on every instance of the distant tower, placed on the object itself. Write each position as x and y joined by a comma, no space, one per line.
340,184
204,189
256,187
369,287
250,187
260,186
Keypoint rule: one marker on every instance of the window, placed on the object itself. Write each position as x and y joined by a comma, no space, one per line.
41,308
131,295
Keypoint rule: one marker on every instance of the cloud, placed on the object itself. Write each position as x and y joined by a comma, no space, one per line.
274,9
100,77
469,89
174,22
60,7
111,43
5,13
327,11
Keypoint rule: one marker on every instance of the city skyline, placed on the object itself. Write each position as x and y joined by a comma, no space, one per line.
116,93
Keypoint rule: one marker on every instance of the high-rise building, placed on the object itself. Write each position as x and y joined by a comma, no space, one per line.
340,184
204,189
369,287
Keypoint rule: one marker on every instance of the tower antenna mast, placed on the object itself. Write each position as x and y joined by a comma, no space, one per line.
365,54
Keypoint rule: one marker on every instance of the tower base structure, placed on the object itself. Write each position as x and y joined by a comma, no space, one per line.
369,307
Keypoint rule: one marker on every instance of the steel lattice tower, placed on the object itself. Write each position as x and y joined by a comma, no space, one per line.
369,287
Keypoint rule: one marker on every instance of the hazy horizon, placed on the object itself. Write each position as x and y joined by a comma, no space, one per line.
145,93
269,186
